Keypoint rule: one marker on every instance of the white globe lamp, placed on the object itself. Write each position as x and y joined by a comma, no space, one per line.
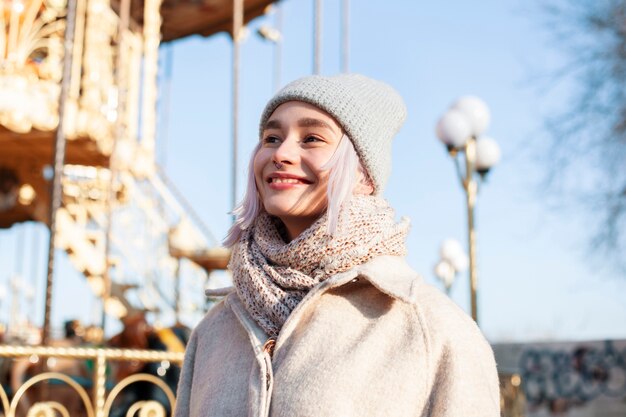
453,129
476,112
487,154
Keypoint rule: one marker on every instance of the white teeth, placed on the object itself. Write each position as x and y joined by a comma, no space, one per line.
286,181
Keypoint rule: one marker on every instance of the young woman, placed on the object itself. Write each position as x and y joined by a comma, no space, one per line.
326,318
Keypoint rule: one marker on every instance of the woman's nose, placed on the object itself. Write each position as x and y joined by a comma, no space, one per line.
287,152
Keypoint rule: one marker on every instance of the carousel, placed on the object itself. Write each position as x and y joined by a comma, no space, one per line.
78,91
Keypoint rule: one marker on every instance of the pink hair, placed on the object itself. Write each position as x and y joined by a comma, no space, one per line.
346,170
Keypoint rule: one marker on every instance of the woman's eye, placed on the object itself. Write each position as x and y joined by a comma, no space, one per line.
270,139
310,139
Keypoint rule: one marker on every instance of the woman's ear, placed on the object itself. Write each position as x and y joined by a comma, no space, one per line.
364,185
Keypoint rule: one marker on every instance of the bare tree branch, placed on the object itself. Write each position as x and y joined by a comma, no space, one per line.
587,157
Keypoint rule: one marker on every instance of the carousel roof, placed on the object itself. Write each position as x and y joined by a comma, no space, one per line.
182,18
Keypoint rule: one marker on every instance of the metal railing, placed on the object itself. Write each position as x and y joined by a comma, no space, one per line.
98,404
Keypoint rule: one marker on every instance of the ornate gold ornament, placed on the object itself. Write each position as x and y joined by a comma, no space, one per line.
31,50
100,404
49,408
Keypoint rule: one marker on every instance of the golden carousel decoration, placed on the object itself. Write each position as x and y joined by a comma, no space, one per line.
75,155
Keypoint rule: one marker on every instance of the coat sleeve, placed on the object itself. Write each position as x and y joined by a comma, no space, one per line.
183,395
462,369
465,381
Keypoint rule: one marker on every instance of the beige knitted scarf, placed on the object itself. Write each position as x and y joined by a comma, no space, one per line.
271,277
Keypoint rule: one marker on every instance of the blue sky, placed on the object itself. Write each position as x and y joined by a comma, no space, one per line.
536,280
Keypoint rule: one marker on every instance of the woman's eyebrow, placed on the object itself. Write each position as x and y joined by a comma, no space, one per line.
311,122
272,124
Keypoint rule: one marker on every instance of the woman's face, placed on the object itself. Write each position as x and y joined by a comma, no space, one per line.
297,140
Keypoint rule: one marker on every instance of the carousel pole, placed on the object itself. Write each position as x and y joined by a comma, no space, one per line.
317,37
166,106
237,26
58,162
151,39
177,285
16,281
34,273
278,49
345,36
120,80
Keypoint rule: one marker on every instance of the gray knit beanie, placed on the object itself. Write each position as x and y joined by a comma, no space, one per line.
370,112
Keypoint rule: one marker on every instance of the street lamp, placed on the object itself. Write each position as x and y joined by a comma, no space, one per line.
460,130
452,261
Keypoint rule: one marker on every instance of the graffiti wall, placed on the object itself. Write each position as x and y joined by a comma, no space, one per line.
576,379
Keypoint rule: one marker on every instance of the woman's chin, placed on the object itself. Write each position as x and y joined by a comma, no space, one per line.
292,208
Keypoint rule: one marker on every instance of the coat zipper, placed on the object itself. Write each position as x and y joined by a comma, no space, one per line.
268,348
267,396
269,345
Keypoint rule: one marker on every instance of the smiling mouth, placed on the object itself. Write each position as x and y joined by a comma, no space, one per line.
276,180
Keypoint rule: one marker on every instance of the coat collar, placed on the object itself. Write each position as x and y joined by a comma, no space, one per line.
390,274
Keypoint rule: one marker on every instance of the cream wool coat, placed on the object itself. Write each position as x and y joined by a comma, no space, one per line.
370,342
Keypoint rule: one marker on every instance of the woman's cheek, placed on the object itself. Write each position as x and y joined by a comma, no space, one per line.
257,167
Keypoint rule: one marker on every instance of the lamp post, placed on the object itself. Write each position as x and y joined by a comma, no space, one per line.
452,261
460,130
